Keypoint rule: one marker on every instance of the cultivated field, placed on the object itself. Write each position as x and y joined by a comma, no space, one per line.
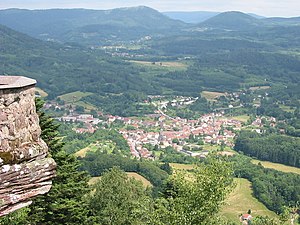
278,166
211,148
82,153
161,64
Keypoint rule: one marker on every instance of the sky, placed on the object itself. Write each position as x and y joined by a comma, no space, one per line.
269,8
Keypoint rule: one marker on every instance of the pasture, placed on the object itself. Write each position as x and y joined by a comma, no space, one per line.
278,166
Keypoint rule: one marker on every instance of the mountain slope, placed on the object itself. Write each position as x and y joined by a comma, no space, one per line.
90,26
62,69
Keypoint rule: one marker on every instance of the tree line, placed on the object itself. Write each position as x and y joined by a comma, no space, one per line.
273,188
274,147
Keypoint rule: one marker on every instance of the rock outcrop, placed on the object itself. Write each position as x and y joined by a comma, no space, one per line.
25,170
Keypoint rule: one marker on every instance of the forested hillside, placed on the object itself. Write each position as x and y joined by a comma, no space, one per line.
216,60
93,27
274,148
255,52
232,20
64,68
275,189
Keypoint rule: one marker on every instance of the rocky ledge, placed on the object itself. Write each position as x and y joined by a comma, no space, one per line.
25,170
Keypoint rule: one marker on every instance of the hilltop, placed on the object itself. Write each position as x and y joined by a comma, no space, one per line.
232,20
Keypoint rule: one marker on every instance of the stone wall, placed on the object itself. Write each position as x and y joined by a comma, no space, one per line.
24,169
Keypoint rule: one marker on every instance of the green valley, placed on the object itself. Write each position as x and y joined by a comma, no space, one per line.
160,121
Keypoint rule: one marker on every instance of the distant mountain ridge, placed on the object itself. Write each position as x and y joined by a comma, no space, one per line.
191,17
198,16
106,27
90,26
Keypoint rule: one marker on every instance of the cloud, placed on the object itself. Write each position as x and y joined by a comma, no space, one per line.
263,7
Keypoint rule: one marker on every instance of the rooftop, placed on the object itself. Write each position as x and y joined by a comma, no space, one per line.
9,82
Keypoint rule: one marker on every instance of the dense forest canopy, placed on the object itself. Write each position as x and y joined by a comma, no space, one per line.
274,148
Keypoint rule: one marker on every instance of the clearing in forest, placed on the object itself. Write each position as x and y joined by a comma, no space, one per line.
241,118
174,64
136,176
259,88
277,166
41,92
107,146
211,95
74,96
182,166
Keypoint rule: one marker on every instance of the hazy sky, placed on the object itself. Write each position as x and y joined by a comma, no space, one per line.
286,8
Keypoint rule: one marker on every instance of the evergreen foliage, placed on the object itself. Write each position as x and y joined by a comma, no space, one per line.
64,204
18,217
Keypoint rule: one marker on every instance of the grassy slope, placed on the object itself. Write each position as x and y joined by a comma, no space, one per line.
74,96
241,118
82,153
241,200
41,92
277,166
103,145
211,96
179,166
145,182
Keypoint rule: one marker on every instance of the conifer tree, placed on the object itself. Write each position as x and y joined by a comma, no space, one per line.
64,204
